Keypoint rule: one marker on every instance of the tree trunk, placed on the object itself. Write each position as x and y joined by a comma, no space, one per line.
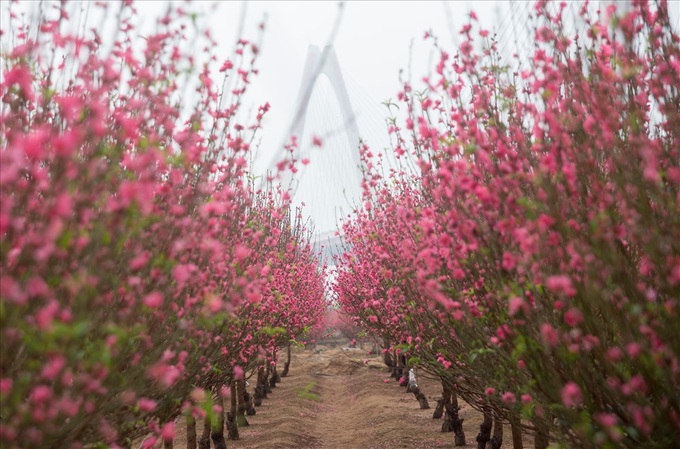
286,365
541,438
267,384
484,429
275,378
168,444
248,399
441,403
241,420
398,372
218,427
191,431
439,409
259,394
516,432
413,388
422,399
497,440
453,422
276,375
447,425
387,360
260,390
204,442
232,428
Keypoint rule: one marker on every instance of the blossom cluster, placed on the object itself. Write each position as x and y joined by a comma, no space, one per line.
525,248
137,257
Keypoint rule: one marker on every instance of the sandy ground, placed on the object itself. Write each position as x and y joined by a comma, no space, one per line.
336,398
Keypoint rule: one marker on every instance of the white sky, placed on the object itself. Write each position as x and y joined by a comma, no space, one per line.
374,41
372,44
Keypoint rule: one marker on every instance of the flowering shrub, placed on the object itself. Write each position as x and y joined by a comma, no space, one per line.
532,257
133,247
343,325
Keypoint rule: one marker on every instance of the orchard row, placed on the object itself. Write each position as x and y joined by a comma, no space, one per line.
525,248
143,275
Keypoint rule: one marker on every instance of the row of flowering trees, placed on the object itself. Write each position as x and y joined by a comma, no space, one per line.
526,248
139,265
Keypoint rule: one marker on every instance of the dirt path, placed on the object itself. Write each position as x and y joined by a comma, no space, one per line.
336,410
343,413
337,399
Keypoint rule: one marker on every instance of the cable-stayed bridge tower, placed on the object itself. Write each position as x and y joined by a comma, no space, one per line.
328,182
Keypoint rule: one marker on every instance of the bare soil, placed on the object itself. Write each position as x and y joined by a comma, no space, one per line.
337,398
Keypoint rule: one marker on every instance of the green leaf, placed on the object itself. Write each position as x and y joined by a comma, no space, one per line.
273,331
470,149
65,239
306,392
